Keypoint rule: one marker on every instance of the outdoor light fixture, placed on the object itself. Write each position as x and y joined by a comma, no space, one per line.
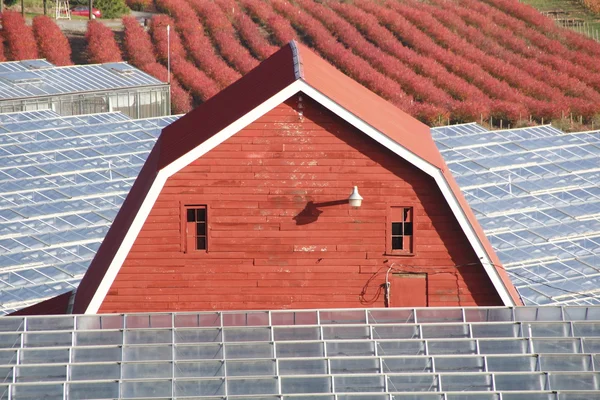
355,199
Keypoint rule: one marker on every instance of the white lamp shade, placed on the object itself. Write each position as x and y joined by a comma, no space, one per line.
355,198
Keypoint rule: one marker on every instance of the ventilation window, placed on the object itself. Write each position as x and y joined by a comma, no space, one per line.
196,237
400,230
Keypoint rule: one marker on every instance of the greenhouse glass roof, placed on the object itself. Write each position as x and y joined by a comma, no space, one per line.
523,353
62,180
536,193
19,80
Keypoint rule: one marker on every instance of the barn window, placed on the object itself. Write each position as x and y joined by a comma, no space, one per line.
400,230
196,232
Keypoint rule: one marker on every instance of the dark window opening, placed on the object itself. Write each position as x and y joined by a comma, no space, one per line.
401,230
196,228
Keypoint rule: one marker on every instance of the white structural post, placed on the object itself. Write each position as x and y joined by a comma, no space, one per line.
169,53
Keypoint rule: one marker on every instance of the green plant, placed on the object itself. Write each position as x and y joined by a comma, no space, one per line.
111,8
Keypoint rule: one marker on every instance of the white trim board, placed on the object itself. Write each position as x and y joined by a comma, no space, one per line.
253,115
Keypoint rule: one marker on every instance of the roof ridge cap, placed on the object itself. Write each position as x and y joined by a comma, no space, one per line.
298,68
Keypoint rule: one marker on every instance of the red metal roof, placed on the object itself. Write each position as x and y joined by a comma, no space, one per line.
292,63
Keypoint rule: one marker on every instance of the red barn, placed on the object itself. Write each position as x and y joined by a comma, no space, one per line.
243,204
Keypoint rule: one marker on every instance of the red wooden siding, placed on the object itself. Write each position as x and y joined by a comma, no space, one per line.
268,250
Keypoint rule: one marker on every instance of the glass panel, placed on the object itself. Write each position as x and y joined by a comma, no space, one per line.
466,383
36,392
515,346
452,347
342,317
46,356
95,372
550,330
520,382
197,335
445,331
247,334
359,384
47,339
302,367
300,350
511,363
256,350
350,349
103,390
147,353
198,320
346,332
396,332
297,333
556,345
413,383
578,381
204,352
98,338
50,323
459,364
252,386
488,314
391,316
41,374
565,363
10,340
400,348
586,329
355,366
406,364
199,369
439,315
293,317
147,370
148,336
495,330
131,389
97,354
306,385
204,387
250,368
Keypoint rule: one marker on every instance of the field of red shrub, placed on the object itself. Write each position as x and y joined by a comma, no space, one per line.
457,61
441,60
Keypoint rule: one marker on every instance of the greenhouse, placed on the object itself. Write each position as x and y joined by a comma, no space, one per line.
82,89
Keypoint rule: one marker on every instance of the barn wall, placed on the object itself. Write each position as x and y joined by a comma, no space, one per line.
265,252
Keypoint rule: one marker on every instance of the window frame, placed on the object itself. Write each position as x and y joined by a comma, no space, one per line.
388,231
185,238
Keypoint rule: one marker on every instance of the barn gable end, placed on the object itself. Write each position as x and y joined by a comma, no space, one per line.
280,233
190,168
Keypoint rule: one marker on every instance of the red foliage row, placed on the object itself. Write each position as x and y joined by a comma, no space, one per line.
137,43
530,17
101,44
18,36
500,41
352,65
370,27
181,101
52,43
198,45
224,35
535,45
422,89
158,32
140,50
280,27
196,81
494,65
505,97
247,29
